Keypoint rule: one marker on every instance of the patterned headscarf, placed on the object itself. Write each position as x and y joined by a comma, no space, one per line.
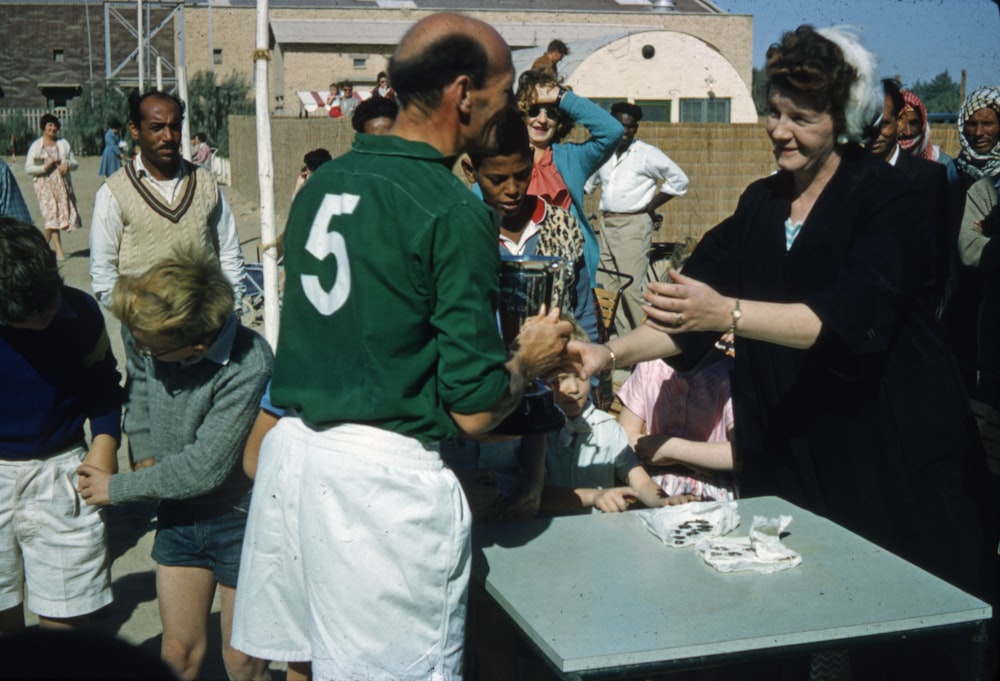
918,146
970,162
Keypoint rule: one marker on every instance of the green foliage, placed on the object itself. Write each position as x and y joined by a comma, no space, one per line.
86,125
15,133
758,90
941,94
211,104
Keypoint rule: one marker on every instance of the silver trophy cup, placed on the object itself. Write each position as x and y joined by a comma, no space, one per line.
526,284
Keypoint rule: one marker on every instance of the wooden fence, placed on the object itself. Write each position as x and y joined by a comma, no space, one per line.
33,117
721,160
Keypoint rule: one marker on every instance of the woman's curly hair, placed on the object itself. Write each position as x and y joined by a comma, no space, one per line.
832,68
526,98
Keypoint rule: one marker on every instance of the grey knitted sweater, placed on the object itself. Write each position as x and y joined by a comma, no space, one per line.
194,421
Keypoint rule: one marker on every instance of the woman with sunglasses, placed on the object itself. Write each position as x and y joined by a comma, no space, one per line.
561,168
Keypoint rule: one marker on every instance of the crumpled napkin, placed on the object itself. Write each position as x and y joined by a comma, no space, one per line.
687,524
761,552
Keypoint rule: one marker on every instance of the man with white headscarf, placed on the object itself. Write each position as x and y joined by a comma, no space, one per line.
979,159
979,135
979,122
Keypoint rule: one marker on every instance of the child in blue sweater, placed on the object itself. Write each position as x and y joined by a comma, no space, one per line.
58,372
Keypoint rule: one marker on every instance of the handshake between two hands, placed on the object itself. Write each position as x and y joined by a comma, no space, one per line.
545,345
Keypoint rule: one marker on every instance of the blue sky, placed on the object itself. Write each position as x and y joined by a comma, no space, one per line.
916,39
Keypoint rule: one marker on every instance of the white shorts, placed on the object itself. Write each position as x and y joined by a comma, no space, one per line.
51,541
356,556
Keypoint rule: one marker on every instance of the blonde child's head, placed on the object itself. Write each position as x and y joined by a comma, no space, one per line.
178,303
572,392
577,333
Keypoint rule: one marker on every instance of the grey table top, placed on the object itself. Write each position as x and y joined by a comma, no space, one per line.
600,592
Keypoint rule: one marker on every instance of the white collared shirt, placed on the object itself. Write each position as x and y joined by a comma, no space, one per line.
628,181
106,230
894,156
221,349
530,230
591,450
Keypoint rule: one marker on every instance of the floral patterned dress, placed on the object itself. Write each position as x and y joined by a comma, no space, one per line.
55,194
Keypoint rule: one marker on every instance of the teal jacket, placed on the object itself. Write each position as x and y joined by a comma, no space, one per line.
576,161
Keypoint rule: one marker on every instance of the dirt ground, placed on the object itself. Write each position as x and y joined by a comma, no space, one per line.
133,616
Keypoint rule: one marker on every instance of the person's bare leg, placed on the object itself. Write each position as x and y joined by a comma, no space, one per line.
299,671
62,623
53,234
239,665
12,620
184,595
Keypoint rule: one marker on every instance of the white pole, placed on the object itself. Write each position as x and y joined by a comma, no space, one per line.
182,94
90,52
159,73
139,52
211,41
265,176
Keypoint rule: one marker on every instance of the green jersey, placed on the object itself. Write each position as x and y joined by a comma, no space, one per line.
389,312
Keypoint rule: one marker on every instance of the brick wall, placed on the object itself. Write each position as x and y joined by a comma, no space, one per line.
31,33
721,160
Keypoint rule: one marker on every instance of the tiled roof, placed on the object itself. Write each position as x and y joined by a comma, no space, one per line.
583,6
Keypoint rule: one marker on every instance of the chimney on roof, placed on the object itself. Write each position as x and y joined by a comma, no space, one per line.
664,6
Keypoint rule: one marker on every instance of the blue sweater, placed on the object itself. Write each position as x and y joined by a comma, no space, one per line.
55,379
578,161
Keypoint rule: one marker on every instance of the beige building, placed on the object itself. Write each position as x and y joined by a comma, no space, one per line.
675,77
688,63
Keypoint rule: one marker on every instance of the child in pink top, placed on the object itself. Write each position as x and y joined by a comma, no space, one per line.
680,425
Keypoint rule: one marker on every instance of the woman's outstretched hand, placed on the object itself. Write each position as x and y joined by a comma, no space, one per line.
686,304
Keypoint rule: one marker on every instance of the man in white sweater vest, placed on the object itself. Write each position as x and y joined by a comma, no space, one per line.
159,204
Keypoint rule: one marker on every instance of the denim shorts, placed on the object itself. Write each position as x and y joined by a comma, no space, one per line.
202,535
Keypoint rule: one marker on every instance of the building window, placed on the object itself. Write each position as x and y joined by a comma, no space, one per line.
655,110
216,56
57,56
711,110
360,63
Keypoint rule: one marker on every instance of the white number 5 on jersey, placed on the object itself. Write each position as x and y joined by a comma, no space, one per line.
322,243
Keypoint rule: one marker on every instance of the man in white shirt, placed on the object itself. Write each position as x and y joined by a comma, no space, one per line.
159,204
629,199
348,99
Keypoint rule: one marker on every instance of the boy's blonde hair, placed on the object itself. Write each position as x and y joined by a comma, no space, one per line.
578,333
185,299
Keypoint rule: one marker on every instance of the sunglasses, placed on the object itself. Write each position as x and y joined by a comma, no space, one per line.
143,351
535,110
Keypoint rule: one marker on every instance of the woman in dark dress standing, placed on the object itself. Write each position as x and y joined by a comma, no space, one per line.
846,400
111,156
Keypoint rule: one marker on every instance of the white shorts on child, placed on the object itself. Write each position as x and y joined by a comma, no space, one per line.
356,556
51,541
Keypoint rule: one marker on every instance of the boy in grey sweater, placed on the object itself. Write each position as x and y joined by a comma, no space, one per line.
195,378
